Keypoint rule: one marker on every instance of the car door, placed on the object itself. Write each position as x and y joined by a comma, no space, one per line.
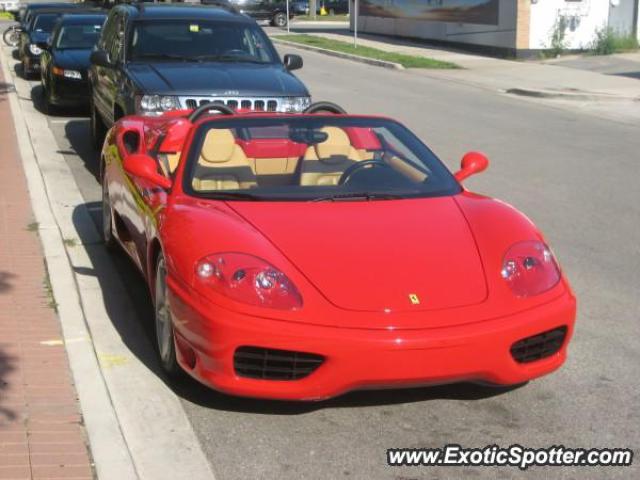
136,201
105,80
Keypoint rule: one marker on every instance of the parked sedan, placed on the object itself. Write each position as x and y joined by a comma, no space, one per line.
300,256
65,59
37,32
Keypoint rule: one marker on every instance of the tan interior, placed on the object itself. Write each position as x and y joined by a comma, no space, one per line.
169,162
222,164
324,163
406,169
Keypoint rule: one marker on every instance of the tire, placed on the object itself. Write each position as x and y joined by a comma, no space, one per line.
49,107
26,74
279,20
107,217
11,37
98,130
165,340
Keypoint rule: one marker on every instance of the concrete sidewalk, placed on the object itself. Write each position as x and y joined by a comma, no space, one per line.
540,79
41,428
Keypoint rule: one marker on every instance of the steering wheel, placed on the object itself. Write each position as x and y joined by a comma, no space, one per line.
329,107
207,107
348,173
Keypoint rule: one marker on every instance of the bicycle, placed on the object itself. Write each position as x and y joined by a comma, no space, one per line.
11,35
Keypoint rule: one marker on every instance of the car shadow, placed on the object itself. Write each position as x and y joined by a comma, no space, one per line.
192,391
77,132
37,98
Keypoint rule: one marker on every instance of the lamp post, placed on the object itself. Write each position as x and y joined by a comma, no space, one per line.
355,23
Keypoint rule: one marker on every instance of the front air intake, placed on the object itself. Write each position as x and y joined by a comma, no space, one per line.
539,346
270,364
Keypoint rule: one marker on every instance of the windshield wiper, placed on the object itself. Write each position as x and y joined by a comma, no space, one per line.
225,58
167,56
357,196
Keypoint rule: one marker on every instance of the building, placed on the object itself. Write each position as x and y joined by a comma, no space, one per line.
504,27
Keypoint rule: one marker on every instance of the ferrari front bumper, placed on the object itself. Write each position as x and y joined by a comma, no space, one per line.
207,337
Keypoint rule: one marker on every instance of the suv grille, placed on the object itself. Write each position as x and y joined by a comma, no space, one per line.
270,364
260,104
538,346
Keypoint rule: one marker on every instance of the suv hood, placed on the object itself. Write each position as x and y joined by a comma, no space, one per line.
373,256
209,78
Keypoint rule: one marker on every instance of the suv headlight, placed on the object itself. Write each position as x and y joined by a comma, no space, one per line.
156,104
294,104
35,49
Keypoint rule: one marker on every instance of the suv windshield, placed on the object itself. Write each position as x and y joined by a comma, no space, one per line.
319,158
78,36
195,40
45,22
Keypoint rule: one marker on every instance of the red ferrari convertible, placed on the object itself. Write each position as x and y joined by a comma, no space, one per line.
300,256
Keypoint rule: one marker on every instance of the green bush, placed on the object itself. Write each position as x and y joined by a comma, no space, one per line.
6,16
609,41
558,37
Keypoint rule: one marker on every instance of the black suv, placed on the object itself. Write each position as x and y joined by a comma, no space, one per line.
275,11
152,58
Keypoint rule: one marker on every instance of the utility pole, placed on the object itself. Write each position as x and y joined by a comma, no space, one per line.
312,9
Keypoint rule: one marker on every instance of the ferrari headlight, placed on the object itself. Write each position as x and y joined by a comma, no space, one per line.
35,49
248,279
157,104
294,104
530,268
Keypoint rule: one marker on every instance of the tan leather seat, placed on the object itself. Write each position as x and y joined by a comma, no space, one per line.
169,162
222,164
324,163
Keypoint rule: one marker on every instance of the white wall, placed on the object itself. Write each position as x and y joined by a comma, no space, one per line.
502,35
585,17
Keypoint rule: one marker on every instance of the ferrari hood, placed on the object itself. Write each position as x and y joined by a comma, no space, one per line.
399,255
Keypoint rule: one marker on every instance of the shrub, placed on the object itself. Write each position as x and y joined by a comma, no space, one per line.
608,41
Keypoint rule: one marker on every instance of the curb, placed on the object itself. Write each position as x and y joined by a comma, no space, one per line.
578,96
346,56
139,433
106,441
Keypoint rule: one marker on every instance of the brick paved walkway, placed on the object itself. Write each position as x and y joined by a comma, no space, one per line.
41,432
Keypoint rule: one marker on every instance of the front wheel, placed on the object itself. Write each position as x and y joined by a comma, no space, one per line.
279,20
11,37
165,340
107,216
98,130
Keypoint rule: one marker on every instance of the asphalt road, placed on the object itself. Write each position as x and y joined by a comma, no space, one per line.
576,176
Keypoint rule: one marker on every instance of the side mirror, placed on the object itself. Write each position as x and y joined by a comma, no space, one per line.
100,58
292,61
472,163
144,167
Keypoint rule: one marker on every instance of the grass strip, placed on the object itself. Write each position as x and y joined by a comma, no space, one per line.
407,61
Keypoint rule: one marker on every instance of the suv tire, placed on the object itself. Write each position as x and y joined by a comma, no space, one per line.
98,129
279,20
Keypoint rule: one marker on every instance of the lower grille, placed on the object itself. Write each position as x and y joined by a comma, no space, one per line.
270,364
259,104
539,346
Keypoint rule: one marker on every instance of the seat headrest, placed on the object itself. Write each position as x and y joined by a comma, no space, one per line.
218,146
337,144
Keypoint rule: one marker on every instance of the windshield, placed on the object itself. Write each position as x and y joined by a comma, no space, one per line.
195,40
45,23
321,158
78,36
